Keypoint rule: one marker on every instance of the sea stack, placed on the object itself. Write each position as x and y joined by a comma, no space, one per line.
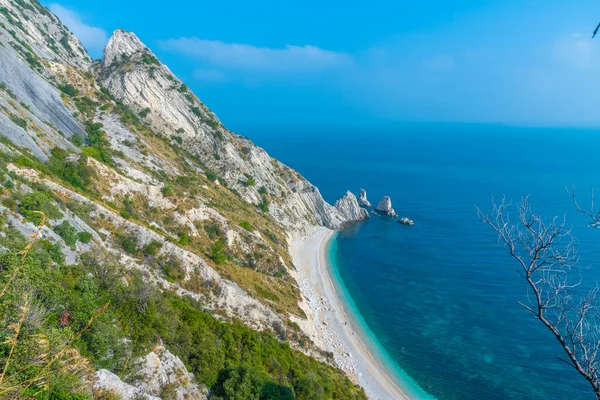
385,207
362,199
349,207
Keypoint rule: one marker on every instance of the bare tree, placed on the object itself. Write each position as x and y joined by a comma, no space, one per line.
546,255
591,213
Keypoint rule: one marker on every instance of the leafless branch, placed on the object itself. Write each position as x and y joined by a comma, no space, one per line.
546,254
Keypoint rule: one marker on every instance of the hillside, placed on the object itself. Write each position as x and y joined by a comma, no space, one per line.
155,234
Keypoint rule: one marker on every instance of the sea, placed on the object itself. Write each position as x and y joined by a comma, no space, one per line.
439,300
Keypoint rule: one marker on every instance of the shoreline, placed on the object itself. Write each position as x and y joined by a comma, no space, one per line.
330,325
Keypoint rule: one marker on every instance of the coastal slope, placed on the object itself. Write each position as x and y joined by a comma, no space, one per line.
149,207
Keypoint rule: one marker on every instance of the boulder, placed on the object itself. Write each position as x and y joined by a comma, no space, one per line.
406,221
385,207
362,199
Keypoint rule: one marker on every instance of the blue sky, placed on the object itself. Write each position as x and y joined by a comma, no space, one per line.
354,64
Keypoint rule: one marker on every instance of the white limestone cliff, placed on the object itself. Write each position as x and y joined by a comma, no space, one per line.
349,207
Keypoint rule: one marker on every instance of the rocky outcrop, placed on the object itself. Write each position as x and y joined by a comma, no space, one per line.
154,374
362,199
350,209
406,221
42,31
385,207
32,113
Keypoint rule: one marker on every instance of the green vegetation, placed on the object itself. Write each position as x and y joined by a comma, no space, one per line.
183,88
149,59
98,145
196,111
167,190
31,204
77,139
264,204
128,244
84,237
74,171
183,239
19,121
88,310
217,252
250,181
67,233
246,225
64,41
152,248
69,90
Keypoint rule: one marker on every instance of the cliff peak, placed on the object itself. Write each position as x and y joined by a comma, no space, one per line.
122,44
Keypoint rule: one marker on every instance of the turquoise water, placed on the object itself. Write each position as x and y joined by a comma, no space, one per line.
440,298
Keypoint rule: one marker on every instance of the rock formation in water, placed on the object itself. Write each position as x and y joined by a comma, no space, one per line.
350,209
362,199
406,221
385,207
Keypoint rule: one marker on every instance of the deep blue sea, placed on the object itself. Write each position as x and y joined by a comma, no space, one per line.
441,297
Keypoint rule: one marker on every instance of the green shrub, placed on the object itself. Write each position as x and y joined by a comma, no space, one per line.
167,190
67,233
31,203
196,111
264,204
98,145
217,253
128,244
152,248
211,176
183,88
246,225
183,238
76,172
149,59
19,121
69,90
77,139
84,237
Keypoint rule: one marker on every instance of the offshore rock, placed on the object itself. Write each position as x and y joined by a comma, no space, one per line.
362,199
406,221
350,208
385,207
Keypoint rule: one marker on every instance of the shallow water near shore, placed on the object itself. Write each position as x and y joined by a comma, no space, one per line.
440,297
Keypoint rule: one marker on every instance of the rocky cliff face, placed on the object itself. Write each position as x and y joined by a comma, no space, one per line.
349,207
134,75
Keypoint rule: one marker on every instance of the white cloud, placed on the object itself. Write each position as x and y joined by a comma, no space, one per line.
235,56
93,38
